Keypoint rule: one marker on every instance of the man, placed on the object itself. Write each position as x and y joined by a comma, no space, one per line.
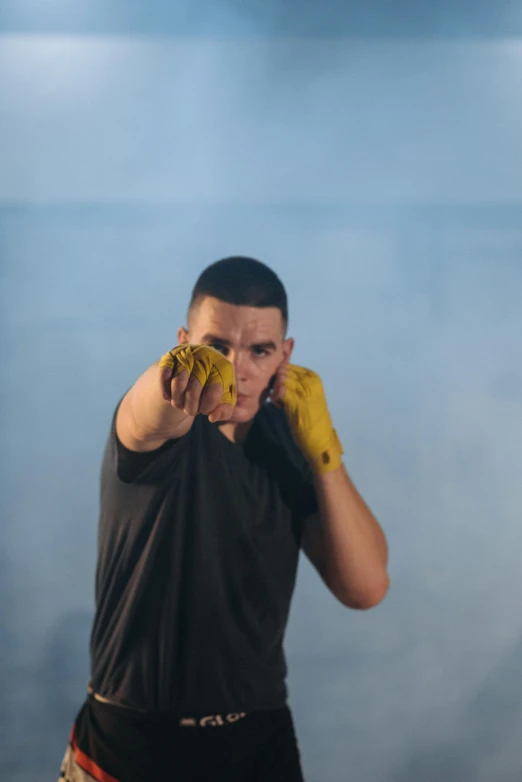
221,463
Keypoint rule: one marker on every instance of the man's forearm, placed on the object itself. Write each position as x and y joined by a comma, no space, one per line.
145,420
355,548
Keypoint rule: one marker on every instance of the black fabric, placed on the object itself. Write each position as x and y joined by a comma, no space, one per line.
131,747
198,552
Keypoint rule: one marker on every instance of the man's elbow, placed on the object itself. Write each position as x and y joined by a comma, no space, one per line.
367,598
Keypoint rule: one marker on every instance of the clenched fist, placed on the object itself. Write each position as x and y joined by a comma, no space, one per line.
300,393
199,379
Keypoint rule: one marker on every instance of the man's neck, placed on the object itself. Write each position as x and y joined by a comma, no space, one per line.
236,433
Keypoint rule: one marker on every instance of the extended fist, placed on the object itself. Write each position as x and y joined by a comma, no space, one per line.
199,379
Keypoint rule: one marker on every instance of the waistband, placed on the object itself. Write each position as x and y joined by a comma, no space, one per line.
211,720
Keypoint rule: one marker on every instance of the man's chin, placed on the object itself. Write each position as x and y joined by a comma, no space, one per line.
242,414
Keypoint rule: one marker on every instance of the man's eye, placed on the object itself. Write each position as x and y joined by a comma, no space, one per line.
260,352
222,348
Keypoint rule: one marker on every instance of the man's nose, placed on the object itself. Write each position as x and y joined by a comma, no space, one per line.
239,366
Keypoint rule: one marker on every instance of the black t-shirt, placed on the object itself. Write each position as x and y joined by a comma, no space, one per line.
197,558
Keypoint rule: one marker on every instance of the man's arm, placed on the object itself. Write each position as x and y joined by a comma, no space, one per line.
343,540
163,402
145,419
345,543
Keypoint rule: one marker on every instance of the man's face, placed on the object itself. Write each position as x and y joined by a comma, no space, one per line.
252,338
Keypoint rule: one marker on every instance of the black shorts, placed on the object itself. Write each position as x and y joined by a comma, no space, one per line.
112,744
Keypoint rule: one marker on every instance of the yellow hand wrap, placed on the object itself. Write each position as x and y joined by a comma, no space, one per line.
304,403
206,364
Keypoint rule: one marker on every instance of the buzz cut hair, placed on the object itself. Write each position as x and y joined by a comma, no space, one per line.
241,281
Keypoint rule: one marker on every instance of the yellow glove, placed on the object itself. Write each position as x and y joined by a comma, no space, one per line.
208,365
301,395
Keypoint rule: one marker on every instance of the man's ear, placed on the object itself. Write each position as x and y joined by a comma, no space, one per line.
183,336
288,346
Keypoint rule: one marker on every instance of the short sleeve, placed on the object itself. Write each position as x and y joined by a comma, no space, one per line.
306,497
131,466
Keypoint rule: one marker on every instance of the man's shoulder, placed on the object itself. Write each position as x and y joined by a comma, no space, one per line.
275,430
272,422
284,460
